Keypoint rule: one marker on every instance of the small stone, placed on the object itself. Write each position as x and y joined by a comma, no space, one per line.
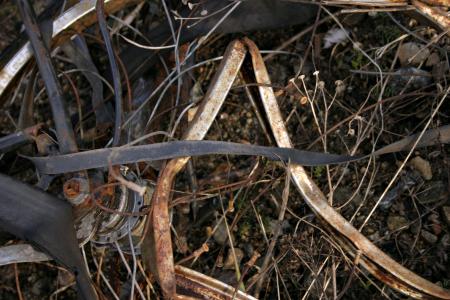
437,229
65,278
219,261
434,218
432,60
412,77
343,194
370,230
412,54
230,262
428,236
445,240
395,223
423,166
432,192
221,235
446,212
439,70
248,249
274,225
38,287
374,237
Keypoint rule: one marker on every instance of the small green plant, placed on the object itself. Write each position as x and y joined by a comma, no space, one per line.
387,33
357,60
388,92
446,283
318,171
245,230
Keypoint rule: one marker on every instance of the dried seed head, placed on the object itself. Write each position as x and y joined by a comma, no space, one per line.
209,231
351,132
340,87
230,206
303,100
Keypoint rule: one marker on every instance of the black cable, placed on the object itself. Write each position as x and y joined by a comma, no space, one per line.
114,70
64,130
131,154
47,223
125,155
17,139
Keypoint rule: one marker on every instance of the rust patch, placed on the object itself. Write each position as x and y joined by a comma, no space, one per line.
71,188
437,2
206,113
434,14
200,286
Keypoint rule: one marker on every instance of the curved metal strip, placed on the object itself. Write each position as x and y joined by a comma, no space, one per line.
200,286
206,113
317,201
20,253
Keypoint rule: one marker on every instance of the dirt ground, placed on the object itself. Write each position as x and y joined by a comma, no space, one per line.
334,107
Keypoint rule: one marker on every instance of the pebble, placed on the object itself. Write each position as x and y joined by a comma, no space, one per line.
65,278
413,51
374,237
439,70
370,230
38,286
221,235
445,241
446,212
428,236
423,166
413,77
273,226
435,224
437,229
343,193
230,262
432,191
433,218
395,223
432,60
